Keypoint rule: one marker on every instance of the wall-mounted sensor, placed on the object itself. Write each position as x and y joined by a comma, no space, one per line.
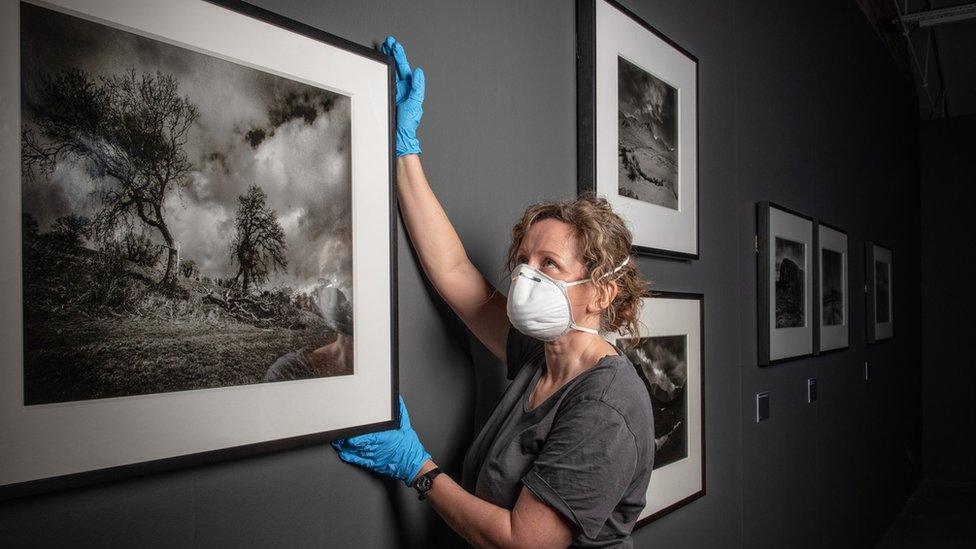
762,406
811,390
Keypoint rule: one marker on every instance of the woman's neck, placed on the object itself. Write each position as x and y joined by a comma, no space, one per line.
573,354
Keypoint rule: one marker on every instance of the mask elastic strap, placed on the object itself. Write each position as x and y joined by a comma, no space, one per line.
585,280
572,324
625,262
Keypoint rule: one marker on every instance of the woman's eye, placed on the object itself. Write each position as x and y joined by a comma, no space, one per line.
550,263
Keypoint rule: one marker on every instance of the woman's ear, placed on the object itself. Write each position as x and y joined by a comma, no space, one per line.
603,297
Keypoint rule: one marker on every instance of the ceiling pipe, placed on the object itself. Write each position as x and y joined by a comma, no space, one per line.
941,16
922,72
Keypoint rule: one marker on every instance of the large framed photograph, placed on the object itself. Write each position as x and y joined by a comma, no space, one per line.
880,304
637,134
668,353
831,298
200,233
784,246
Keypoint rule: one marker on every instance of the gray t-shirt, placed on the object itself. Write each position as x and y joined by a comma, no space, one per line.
587,451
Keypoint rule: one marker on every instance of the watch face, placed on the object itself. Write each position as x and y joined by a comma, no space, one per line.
423,484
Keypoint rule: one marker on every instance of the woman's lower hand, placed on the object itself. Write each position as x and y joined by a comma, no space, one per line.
410,91
397,453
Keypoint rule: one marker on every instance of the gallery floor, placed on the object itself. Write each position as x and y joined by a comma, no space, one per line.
939,514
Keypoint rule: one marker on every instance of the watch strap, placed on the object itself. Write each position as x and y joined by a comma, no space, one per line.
425,482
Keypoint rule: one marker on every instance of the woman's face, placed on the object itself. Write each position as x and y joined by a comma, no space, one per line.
551,247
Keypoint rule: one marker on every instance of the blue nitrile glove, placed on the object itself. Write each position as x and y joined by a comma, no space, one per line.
397,453
410,86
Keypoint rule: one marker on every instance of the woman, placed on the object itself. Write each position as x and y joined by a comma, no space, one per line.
566,456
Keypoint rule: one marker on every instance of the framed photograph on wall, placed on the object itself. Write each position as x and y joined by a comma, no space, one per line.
880,304
637,126
784,246
831,300
669,356
205,265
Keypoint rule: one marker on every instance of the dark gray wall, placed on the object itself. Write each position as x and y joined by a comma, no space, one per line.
799,105
948,158
825,126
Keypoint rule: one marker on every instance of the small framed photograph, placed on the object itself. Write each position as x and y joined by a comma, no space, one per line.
831,298
879,302
637,117
199,238
784,248
668,353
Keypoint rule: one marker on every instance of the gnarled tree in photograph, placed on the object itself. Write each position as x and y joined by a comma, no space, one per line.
129,131
663,362
259,242
187,220
790,283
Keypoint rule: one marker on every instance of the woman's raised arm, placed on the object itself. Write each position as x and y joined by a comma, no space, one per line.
441,253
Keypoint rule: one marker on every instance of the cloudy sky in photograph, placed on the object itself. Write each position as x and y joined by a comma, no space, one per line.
291,139
651,100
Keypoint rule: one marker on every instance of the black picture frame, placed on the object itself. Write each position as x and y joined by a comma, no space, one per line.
128,471
586,118
874,331
817,298
765,286
686,499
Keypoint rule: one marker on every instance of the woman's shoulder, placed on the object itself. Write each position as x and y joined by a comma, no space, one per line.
614,382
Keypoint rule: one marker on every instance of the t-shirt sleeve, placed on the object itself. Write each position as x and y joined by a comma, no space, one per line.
290,366
586,464
519,350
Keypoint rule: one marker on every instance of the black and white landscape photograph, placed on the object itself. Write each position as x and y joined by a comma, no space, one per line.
647,136
832,287
186,219
663,361
882,298
790,263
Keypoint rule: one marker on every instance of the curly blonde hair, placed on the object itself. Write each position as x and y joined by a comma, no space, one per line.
604,242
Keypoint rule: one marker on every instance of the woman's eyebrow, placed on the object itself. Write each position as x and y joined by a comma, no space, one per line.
556,255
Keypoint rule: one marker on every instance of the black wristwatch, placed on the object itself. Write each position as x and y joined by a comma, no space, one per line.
424,482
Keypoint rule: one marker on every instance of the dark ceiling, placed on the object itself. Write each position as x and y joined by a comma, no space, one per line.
943,63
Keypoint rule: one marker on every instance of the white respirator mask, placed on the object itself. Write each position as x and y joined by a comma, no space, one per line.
539,306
